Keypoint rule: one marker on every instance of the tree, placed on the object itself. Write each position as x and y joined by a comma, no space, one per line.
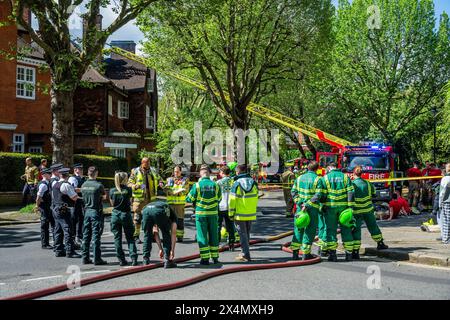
67,63
390,67
237,47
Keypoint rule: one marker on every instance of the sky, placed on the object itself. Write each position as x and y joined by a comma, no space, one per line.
131,32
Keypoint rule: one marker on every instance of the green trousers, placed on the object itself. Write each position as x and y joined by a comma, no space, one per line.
304,238
148,221
322,231
372,227
332,221
123,220
92,231
207,237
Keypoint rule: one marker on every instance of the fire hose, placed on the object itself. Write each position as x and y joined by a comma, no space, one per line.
163,287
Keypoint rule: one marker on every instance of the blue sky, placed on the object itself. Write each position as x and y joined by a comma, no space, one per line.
131,32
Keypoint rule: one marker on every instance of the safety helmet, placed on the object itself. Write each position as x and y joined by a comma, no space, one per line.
346,218
224,233
232,165
302,219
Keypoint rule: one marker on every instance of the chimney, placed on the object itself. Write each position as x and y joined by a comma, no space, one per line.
98,23
127,45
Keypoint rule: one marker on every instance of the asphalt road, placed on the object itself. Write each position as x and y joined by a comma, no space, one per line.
24,267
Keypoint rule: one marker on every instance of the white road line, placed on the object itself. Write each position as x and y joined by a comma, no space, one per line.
98,271
42,278
107,234
2,284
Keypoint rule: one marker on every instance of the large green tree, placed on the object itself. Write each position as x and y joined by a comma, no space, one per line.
390,64
236,47
67,64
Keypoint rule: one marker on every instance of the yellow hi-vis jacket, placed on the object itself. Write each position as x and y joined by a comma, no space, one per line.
174,185
243,199
137,180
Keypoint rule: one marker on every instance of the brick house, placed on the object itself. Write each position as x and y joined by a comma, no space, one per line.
25,118
111,118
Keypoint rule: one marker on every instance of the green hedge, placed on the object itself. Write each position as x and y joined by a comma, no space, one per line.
12,166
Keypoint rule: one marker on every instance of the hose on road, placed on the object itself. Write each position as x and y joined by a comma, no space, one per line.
168,286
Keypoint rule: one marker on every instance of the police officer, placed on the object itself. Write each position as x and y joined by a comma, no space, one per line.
63,201
93,193
159,213
55,173
44,203
77,181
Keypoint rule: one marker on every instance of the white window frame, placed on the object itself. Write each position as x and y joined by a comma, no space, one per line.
123,110
118,152
26,82
20,144
35,149
150,86
110,105
149,119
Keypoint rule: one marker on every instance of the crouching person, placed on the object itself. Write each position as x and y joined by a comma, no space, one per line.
120,198
93,194
158,213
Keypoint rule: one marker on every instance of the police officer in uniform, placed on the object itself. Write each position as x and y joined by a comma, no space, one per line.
63,201
159,213
55,174
93,194
77,181
44,203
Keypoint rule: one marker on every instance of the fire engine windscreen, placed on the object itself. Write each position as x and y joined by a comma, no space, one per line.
368,162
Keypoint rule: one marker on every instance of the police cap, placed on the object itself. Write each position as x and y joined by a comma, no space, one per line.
64,170
77,165
56,166
46,170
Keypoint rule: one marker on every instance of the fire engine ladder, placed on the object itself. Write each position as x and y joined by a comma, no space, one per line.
254,108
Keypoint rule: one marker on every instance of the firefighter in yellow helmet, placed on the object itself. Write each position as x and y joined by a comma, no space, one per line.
144,183
176,189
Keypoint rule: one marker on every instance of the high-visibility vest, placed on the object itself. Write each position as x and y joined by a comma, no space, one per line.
205,195
339,189
178,183
137,177
309,186
243,201
363,196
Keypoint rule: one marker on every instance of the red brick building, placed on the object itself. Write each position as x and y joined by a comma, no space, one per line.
111,118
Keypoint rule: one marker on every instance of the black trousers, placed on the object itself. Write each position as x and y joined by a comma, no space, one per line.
148,221
63,230
223,215
28,190
77,218
47,222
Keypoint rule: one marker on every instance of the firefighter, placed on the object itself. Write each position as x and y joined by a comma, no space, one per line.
31,180
93,193
176,188
308,190
159,213
77,181
339,197
120,198
243,203
364,212
144,183
287,180
63,202
205,196
43,203
414,186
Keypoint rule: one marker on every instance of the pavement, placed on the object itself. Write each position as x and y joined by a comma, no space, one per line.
24,267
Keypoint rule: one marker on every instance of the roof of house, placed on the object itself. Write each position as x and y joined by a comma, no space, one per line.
92,75
126,73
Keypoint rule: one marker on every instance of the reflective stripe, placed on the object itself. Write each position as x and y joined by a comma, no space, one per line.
244,196
359,211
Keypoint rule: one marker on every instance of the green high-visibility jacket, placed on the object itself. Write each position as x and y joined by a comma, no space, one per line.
309,189
243,200
205,195
137,179
364,192
340,190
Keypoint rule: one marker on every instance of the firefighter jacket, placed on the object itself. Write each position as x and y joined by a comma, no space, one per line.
243,198
174,185
143,184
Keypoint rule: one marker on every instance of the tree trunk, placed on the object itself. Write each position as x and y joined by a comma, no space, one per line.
310,146
62,118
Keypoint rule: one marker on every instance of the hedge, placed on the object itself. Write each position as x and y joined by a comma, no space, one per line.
12,166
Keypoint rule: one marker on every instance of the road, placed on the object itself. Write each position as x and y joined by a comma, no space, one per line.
25,267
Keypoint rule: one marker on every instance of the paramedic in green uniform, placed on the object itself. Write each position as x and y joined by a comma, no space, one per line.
93,194
120,198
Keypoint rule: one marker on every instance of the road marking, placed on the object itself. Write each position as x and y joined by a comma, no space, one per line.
42,278
98,271
2,284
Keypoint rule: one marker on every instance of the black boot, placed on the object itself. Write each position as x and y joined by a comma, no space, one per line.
134,263
307,256
100,262
169,264
295,255
146,261
381,245
355,254
348,256
123,262
323,253
73,254
332,256
86,261
204,262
